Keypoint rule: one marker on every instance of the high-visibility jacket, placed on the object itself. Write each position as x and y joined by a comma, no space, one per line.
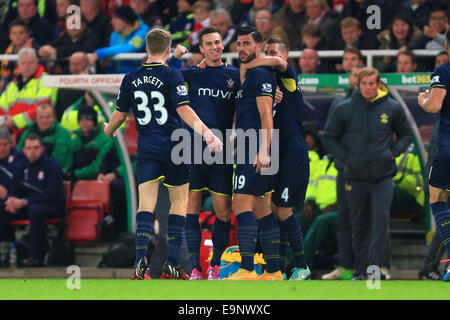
409,175
326,184
21,101
314,162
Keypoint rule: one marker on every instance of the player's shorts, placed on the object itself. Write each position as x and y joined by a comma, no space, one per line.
247,181
216,178
440,173
153,170
292,179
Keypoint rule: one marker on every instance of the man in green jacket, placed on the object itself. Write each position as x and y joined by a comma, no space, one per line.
55,138
89,146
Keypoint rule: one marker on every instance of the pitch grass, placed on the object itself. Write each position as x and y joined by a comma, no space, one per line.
118,289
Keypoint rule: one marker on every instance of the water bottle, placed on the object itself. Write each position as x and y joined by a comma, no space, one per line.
13,256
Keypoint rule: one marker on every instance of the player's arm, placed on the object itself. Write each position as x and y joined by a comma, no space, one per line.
431,101
267,61
116,120
192,120
264,104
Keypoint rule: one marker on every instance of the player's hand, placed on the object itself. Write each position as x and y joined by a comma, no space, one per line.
422,97
278,95
93,57
202,64
179,51
214,143
262,160
106,131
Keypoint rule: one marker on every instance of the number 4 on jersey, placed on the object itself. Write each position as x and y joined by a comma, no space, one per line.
285,195
143,107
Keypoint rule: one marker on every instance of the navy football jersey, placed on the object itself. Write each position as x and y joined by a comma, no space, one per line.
212,93
441,79
153,92
288,113
258,82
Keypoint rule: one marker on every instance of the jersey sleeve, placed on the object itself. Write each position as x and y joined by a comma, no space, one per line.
439,78
178,91
289,79
264,83
123,96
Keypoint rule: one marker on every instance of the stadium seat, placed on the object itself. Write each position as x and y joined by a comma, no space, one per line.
88,204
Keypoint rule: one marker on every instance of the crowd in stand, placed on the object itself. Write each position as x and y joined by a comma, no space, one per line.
68,122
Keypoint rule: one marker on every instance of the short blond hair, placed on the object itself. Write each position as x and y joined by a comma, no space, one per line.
350,22
158,40
205,5
369,71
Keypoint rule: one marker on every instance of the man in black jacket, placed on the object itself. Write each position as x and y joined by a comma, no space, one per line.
360,133
37,194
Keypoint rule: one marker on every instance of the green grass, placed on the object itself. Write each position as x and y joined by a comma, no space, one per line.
104,289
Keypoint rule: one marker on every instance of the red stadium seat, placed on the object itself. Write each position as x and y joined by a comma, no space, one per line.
88,204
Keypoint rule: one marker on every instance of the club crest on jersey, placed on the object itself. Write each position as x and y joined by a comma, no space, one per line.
384,118
267,87
182,91
230,83
40,175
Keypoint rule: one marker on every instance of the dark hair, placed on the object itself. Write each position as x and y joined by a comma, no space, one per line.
207,30
19,22
282,43
443,52
355,51
247,30
405,18
33,136
409,54
312,30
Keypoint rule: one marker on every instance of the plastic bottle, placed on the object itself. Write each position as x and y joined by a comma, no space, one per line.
13,256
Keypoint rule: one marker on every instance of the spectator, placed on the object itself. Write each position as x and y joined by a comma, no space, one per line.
313,139
25,92
89,146
55,138
201,11
257,6
312,38
168,9
148,12
78,64
406,62
112,171
10,160
358,10
401,32
441,58
360,133
418,11
352,57
97,21
319,215
61,12
108,6
433,37
183,24
292,17
221,20
266,25
71,41
20,38
351,35
327,20
38,194
309,62
128,37
41,29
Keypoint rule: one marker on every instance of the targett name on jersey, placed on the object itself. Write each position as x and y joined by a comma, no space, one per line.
147,79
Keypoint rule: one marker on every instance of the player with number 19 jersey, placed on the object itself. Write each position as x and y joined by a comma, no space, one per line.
153,92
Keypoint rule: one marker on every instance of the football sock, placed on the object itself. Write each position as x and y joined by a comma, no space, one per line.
175,238
295,238
144,231
193,240
441,213
220,237
284,244
247,232
270,242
